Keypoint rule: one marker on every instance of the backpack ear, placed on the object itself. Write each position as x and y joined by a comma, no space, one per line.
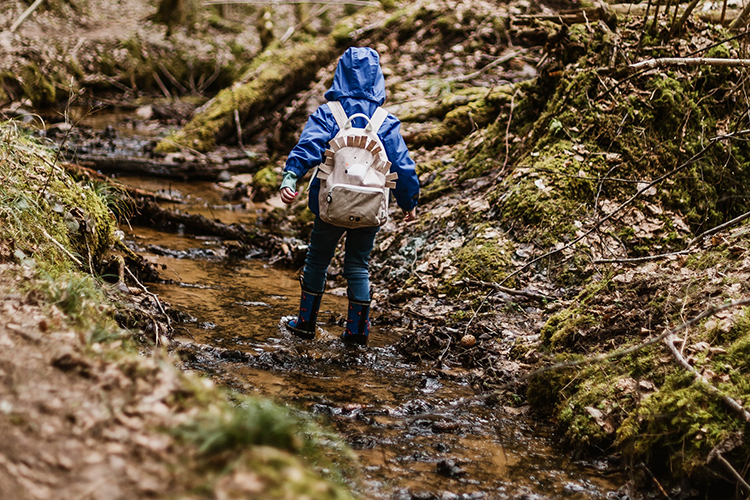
325,168
381,166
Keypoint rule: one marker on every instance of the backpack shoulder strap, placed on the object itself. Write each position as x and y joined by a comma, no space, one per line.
338,113
378,118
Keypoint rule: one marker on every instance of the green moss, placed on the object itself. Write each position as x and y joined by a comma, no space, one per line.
265,183
462,120
677,426
43,210
700,261
482,260
38,85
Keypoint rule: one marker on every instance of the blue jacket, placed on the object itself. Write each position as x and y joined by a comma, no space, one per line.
360,88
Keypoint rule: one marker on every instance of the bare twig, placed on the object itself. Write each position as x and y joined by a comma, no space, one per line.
322,10
716,44
507,130
640,259
26,14
723,12
162,86
172,79
690,61
152,295
719,228
61,247
683,19
239,128
740,480
509,291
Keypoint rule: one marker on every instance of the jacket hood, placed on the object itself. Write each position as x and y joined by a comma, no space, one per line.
359,75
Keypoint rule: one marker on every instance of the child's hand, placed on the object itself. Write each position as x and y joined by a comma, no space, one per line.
287,195
410,215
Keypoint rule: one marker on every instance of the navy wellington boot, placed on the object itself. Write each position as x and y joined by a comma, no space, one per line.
304,325
357,323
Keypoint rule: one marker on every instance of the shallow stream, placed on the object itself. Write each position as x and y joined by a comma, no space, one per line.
410,424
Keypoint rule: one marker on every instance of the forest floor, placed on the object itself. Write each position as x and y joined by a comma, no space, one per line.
526,133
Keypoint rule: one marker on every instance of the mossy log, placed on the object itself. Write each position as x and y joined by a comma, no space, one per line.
184,170
242,241
275,75
151,213
462,120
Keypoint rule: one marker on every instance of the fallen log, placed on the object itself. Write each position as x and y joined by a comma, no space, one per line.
151,214
135,193
188,170
243,241
275,75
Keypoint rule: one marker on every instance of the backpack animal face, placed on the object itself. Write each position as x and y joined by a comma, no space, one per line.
355,178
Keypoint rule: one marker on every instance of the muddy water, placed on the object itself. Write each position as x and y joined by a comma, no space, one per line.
415,435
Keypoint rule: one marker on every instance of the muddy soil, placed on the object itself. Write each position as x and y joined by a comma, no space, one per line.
76,425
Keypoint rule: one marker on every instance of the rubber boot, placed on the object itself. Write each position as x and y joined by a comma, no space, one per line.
304,325
357,323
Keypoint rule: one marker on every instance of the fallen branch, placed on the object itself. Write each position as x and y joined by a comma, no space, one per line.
188,170
720,227
740,480
687,61
641,259
151,213
630,200
92,175
26,14
509,291
61,247
730,402
683,19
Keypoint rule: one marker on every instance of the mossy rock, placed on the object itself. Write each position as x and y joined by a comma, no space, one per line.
265,183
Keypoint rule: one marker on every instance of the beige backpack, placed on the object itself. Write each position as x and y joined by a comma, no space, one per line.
354,179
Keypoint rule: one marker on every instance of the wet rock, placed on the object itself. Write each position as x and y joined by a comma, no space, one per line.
445,426
234,355
448,468
442,447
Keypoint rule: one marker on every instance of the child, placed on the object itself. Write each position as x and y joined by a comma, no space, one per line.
359,86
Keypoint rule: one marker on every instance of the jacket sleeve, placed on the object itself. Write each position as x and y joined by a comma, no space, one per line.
407,184
320,128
